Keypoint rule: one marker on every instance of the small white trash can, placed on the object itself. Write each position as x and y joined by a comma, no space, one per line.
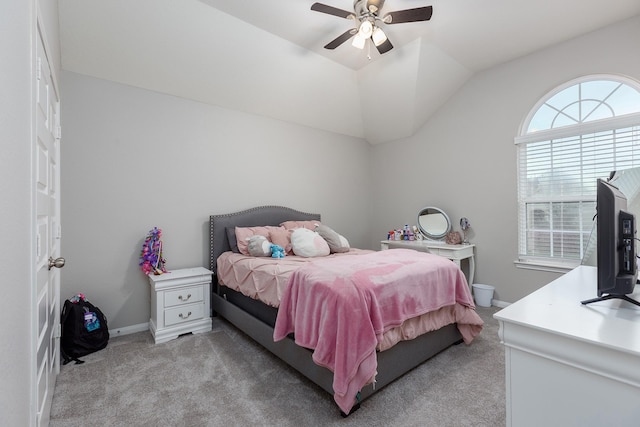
483,294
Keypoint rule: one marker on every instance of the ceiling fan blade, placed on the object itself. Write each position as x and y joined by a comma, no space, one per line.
385,47
324,8
341,39
409,15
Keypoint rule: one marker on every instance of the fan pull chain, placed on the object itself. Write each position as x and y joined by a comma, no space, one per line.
369,49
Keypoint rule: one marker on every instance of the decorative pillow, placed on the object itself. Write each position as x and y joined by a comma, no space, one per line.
307,243
231,236
259,246
244,233
337,243
291,225
282,238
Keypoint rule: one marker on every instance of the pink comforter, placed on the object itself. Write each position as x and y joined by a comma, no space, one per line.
341,307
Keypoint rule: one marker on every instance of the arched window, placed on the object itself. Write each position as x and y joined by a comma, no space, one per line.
577,133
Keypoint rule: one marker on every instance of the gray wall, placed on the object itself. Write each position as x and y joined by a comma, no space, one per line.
464,160
133,159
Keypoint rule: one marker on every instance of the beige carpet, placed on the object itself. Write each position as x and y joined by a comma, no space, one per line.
223,378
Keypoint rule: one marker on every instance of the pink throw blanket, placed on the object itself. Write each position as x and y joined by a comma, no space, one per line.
341,307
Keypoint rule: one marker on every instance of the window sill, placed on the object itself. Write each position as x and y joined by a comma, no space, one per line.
545,266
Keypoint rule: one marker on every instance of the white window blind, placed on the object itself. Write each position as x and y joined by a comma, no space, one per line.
558,169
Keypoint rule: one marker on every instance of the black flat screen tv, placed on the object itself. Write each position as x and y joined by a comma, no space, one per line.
616,254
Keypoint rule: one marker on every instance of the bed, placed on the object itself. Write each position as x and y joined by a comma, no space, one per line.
260,320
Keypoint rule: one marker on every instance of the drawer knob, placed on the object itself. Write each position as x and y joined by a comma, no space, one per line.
181,298
182,316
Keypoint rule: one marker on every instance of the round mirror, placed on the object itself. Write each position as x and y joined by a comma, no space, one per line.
433,223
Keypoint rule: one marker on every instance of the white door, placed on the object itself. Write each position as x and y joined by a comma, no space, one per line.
46,313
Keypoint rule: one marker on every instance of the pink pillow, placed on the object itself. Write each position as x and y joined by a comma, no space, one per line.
244,233
290,225
282,238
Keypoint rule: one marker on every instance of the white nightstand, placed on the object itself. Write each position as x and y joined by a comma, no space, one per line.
455,253
180,303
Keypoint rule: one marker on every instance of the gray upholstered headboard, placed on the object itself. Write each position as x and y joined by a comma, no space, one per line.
262,215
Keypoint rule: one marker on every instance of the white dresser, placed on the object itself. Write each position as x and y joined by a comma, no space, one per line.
180,303
569,364
455,253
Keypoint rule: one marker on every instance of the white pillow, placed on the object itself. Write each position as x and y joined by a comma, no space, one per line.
308,244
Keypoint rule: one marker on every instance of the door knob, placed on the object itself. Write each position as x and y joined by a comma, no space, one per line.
57,263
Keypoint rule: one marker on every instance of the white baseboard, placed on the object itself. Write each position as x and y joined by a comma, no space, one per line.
141,327
129,330
500,304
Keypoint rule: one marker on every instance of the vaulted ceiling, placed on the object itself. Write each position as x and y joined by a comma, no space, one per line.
267,58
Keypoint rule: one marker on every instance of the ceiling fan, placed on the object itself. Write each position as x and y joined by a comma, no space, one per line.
366,15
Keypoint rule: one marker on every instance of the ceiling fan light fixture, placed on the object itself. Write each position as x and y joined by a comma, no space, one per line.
374,6
378,36
358,41
366,28
366,16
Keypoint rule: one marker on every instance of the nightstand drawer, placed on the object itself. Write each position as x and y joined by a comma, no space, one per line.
180,303
183,296
173,316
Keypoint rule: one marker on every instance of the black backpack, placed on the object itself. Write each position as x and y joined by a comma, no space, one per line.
84,329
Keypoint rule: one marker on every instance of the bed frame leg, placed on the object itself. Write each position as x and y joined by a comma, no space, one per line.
353,409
